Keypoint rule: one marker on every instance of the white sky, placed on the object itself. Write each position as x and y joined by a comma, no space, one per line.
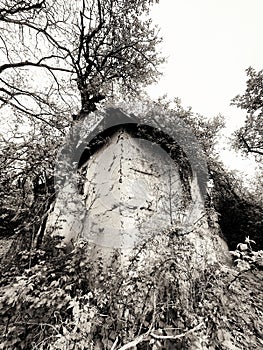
209,44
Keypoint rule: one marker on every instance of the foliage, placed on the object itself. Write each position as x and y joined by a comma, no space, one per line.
246,258
249,137
206,130
257,186
161,302
27,161
239,210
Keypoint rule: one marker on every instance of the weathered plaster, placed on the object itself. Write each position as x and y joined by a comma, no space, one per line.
132,191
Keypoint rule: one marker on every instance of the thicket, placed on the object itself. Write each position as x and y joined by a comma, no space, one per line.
239,211
69,301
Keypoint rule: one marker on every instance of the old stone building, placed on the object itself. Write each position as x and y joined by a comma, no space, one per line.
124,180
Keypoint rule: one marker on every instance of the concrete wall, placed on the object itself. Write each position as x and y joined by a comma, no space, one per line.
132,190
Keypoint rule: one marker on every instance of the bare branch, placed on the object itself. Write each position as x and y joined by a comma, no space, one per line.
146,337
33,64
20,9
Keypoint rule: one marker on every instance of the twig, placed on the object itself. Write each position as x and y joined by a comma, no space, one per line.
144,337
173,337
115,343
135,342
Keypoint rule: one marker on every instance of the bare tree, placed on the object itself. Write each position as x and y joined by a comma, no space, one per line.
63,57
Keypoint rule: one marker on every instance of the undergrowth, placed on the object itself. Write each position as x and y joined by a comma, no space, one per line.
156,300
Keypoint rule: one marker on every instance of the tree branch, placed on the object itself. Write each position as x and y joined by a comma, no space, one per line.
249,148
34,64
174,337
14,10
145,337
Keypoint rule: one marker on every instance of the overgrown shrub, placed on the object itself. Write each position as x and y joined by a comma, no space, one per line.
157,300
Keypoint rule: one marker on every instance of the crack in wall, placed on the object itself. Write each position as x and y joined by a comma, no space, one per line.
132,190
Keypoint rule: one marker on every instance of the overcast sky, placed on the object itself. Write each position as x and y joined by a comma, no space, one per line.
209,44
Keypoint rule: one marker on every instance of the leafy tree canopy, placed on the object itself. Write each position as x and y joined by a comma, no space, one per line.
249,138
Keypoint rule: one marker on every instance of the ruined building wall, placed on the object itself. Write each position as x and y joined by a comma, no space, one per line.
131,191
